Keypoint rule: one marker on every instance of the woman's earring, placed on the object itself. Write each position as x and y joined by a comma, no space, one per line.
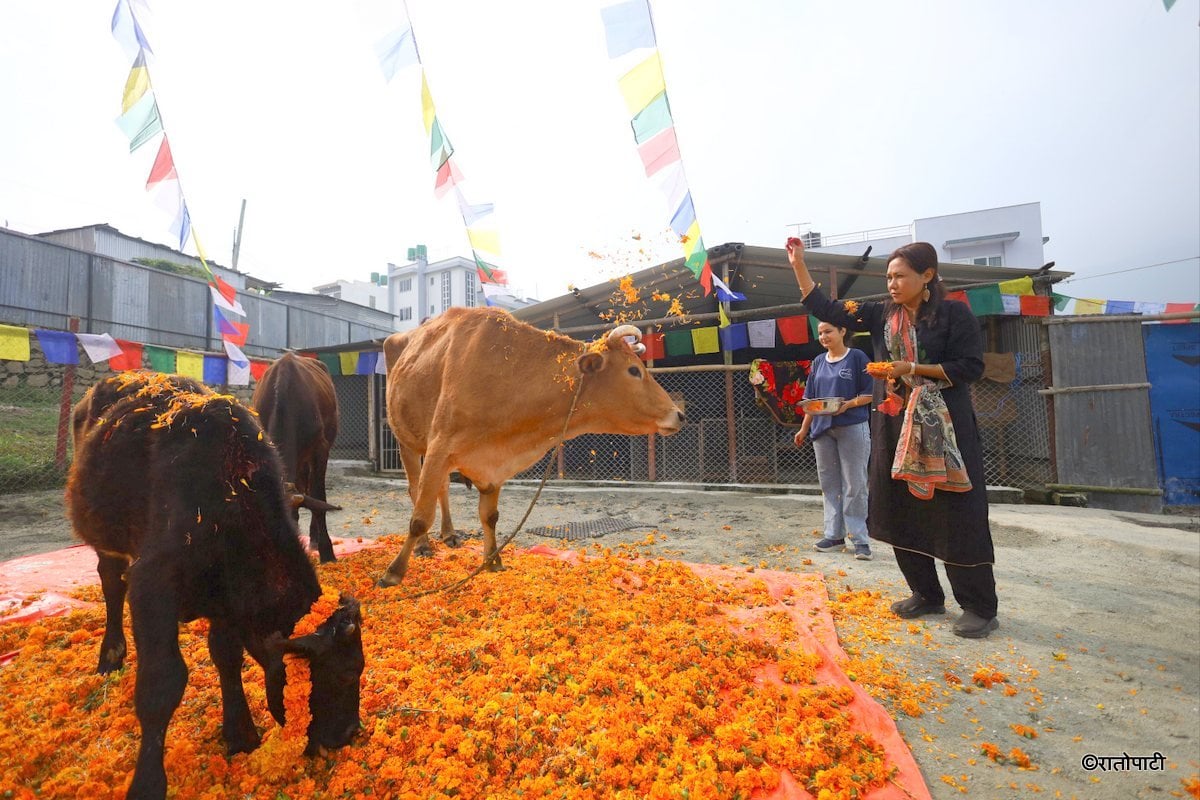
925,294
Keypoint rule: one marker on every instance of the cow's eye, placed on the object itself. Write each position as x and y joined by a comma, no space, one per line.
635,372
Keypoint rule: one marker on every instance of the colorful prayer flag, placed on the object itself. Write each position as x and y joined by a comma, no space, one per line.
1011,303
219,299
652,119
427,111
380,364
1118,307
164,165
627,27
332,362
237,374
366,363
654,346
678,343
793,330
446,178
724,293
141,122
189,365
1176,308
761,332
487,241
215,369
705,340
14,343
1017,286
161,359
349,362
472,214
1088,306
234,354
396,51
136,84
985,300
642,84
259,368
685,217
98,346
1033,305
126,29
130,356
960,296
659,151
734,337
59,347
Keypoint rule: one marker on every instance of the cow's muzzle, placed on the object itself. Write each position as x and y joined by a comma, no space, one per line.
671,423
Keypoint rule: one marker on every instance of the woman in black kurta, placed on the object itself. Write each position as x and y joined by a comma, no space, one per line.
952,525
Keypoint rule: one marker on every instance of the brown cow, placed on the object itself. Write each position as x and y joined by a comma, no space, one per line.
183,500
478,391
298,408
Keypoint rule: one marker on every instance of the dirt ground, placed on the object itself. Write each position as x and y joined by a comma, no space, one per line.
1099,637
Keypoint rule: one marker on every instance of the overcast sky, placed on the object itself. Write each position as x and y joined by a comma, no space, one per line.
845,116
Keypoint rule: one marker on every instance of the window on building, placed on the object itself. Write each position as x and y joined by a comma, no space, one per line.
987,261
469,286
445,290
405,313
405,285
432,310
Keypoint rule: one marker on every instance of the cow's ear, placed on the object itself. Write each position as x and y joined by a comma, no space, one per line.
308,646
590,363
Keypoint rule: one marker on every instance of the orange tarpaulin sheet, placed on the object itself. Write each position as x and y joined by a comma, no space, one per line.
802,597
39,586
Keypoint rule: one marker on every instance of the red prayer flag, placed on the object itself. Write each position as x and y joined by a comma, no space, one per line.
239,338
654,346
960,296
227,291
794,330
1175,308
1035,305
259,368
130,357
164,165
706,278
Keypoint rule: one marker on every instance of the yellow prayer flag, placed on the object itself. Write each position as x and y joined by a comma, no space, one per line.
14,343
349,362
200,251
723,316
1017,286
135,86
692,239
487,241
642,84
427,112
190,365
705,340
1083,306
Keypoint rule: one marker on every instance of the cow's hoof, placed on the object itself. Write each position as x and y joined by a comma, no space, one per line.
111,659
451,539
389,580
424,551
495,565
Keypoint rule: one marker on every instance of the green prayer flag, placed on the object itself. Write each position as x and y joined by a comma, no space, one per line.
1168,3
1060,301
813,322
986,300
695,262
161,359
654,118
332,362
678,343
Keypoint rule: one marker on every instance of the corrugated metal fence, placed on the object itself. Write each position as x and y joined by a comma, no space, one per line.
43,284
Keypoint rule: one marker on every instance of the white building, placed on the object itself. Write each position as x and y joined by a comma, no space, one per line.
372,293
419,290
1010,236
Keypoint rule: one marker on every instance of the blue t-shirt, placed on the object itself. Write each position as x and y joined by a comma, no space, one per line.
846,378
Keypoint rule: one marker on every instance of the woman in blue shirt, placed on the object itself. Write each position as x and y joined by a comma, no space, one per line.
841,441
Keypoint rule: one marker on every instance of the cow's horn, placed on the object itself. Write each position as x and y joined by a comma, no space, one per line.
630,334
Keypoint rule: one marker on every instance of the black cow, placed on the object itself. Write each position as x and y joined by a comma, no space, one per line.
184,502
298,408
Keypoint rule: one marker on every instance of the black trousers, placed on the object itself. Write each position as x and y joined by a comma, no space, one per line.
974,587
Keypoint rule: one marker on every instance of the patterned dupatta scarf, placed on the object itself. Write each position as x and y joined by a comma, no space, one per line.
927,456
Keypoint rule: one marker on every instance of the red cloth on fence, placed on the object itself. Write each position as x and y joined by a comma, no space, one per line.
1035,305
654,346
130,357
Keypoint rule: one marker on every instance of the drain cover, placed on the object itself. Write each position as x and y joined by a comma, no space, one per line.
588,528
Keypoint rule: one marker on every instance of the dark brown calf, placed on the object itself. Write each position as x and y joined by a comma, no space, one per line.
183,500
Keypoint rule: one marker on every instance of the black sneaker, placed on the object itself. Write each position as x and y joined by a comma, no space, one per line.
972,626
917,606
829,545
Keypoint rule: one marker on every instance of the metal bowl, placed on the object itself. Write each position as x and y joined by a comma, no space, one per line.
821,406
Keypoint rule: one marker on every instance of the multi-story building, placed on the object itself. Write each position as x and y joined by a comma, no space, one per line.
1010,236
419,289
372,293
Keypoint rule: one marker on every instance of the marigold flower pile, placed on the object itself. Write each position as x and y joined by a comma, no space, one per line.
606,677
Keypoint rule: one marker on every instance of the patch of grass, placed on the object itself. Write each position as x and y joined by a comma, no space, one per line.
28,437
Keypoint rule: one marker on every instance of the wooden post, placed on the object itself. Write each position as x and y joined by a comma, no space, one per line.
64,407
651,455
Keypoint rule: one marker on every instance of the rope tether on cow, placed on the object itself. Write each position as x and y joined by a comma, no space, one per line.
495,554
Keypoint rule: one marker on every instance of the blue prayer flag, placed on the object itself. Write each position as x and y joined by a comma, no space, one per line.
215,370
734,337
59,347
627,27
366,363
